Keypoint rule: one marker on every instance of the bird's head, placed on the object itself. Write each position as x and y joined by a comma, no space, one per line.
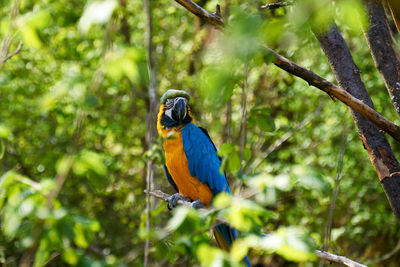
174,110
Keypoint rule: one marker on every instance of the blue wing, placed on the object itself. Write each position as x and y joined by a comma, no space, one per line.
203,160
204,164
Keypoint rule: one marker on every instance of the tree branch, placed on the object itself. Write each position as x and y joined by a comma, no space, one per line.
211,18
307,75
4,55
339,259
335,91
383,50
13,53
322,254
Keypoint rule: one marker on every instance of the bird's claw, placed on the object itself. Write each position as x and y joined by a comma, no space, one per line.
174,198
197,204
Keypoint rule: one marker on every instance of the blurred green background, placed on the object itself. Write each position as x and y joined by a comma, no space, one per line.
74,105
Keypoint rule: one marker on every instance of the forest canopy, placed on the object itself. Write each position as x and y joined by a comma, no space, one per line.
301,99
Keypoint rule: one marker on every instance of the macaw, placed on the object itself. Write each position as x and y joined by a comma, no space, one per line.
191,166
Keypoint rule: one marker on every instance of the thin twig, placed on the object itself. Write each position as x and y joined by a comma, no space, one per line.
243,122
13,53
307,75
277,144
387,255
335,193
4,55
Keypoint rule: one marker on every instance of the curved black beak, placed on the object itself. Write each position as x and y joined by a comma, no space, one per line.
179,110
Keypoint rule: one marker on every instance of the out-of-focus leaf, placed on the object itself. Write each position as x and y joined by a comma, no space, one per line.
222,200
5,132
70,256
31,23
310,179
80,237
42,254
64,164
216,83
122,62
89,160
97,12
231,157
185,220
262,118
297,245
353,13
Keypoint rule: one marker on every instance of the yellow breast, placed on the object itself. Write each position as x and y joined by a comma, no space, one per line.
178,167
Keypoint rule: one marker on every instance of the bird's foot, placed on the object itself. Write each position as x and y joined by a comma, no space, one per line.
197,204
174,198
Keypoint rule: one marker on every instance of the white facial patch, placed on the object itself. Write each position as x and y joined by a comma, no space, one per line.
168,112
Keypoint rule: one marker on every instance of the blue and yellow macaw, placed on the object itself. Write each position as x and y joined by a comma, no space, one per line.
191,163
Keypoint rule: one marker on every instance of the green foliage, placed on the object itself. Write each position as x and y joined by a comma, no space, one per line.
75,117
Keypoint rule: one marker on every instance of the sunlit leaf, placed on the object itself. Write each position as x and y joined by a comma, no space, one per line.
97,12
5,132
297,245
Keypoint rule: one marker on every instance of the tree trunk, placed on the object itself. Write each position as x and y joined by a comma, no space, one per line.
348,76
394,6
384,50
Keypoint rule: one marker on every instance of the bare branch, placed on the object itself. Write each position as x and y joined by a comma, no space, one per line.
211,18
307,75
337,92
4,55
277,144
275,5
13,53
383,50
339,259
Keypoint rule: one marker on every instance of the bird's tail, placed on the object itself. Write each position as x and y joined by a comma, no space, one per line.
225,236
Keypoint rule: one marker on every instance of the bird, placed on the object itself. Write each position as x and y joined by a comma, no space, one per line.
192,165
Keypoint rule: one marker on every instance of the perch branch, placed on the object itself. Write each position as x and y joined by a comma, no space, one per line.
339,259
321,254
161,195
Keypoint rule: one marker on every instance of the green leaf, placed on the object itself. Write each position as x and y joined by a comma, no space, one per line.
297,245
70,256
222,200
262,118
42,254
123,62
310,179
31,24
5,132
216,83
